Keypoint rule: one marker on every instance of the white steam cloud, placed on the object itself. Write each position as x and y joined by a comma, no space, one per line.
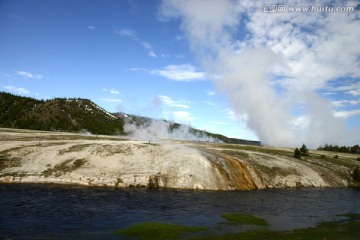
274,66
157,130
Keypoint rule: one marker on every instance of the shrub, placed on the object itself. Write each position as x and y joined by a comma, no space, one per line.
356,174
297,153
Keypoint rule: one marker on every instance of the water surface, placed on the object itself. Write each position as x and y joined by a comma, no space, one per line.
49,211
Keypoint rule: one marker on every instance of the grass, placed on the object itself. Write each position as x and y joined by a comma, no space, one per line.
110,150
78,163
14,174
75,148
27,135
237,218
347,228
158,231
8,162
256,149
66,166
316,157
314,154
330,159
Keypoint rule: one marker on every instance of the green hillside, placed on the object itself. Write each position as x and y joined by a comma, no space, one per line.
76,114
59,114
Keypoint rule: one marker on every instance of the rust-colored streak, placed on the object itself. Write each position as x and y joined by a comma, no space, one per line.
240,176
234,173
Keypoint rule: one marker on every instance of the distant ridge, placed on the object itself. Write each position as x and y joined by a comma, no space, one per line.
77,114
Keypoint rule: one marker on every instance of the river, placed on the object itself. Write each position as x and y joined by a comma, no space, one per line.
30,211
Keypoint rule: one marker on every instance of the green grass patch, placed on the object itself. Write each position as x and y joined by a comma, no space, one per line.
237,218
158,231
340,161
348,228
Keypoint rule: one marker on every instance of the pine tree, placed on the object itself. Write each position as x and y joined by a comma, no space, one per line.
304,151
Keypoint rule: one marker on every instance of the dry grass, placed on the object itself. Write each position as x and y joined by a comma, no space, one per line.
64,167
75,148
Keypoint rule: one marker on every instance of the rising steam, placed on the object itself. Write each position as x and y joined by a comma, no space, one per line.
273,71
157,130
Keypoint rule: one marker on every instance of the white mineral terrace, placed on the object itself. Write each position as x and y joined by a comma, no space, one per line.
47,157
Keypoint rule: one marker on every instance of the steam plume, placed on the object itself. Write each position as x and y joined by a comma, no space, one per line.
275,69
157,130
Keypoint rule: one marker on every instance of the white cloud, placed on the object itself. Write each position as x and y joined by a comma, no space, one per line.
127,32
230,114
146,45
354,92
351,89
315,47
164,55
132,34
152,54
301,122
210,93
343,103
183,73
28,75
211,103
112,91
20,91
347,114
90,27
182,116
112,100
347,87
172,103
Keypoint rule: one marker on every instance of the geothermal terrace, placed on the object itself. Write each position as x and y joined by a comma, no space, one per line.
65,158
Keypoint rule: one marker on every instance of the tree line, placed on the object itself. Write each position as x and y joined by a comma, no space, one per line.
344,149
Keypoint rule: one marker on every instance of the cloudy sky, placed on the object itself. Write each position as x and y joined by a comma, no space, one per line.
244,69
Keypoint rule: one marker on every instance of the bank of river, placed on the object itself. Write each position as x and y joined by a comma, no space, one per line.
30,211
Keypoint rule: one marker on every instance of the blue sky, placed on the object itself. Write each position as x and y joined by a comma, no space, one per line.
149,58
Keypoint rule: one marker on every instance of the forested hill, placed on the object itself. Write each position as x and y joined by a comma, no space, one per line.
59,114
76,114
